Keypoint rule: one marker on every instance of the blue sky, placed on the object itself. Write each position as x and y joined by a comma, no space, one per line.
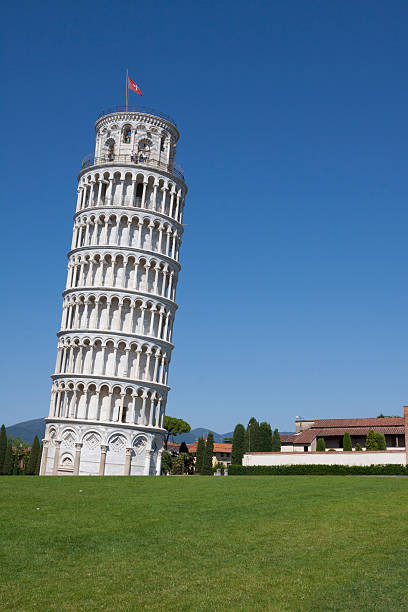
293,293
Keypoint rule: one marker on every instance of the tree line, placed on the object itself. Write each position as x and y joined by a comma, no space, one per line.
16,458
184,463
256,438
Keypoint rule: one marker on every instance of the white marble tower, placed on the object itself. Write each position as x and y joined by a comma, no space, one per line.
110,388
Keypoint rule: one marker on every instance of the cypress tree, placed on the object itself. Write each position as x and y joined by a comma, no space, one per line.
265,437
16,465
183,448
32,462
276,442
321,445
381,441
371,441
37,467
253,435
3,447
8,460
238,445
347,442
207,469
199,455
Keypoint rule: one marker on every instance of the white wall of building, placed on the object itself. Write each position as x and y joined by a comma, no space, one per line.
340,458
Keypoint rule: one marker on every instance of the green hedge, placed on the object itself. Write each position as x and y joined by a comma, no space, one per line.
320,470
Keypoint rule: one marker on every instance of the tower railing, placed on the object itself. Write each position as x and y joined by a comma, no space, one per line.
136,109
138,160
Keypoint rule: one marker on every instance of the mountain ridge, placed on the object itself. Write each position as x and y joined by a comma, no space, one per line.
26,430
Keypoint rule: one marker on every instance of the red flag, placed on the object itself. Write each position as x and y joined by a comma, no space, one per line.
132,85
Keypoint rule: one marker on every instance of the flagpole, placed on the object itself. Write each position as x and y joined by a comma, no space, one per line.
126,87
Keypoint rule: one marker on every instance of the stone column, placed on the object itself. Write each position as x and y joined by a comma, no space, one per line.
77,459
44,457
158,462
149,454
56,457
102,461
126,470
406,432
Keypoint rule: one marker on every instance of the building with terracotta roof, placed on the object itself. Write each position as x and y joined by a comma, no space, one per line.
299,448
333,430
222,452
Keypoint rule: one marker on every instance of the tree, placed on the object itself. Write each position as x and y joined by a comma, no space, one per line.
199,455
276,442
347,442
32,462
174,427
371,441
238,445
358,447
3,447
165,462
321,445
183,448
177,464
16,464
253,435
8,460
37,467
265,437
207,469
381,444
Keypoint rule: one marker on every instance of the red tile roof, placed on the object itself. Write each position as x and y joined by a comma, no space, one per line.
219,447
370,422
305,437
288,438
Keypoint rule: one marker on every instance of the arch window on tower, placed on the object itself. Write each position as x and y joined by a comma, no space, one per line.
127,134
143,150
110,149
139,190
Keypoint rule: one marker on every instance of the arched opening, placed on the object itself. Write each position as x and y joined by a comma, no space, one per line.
110,149
126,134
143,150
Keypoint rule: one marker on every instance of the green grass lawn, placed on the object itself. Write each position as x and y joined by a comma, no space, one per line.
204,543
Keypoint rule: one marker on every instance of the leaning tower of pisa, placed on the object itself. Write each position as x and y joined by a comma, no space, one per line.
109,388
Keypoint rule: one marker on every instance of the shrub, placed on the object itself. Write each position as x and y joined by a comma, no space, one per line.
218,466
358,447
381,441
371,441
319,470
347,442
321,445
165,462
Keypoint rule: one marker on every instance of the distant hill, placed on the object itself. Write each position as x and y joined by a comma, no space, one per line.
198,432
27,430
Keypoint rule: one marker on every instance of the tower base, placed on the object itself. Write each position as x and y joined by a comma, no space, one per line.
86,448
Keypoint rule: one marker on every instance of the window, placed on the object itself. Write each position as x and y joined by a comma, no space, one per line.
306,448
139,190
126,134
